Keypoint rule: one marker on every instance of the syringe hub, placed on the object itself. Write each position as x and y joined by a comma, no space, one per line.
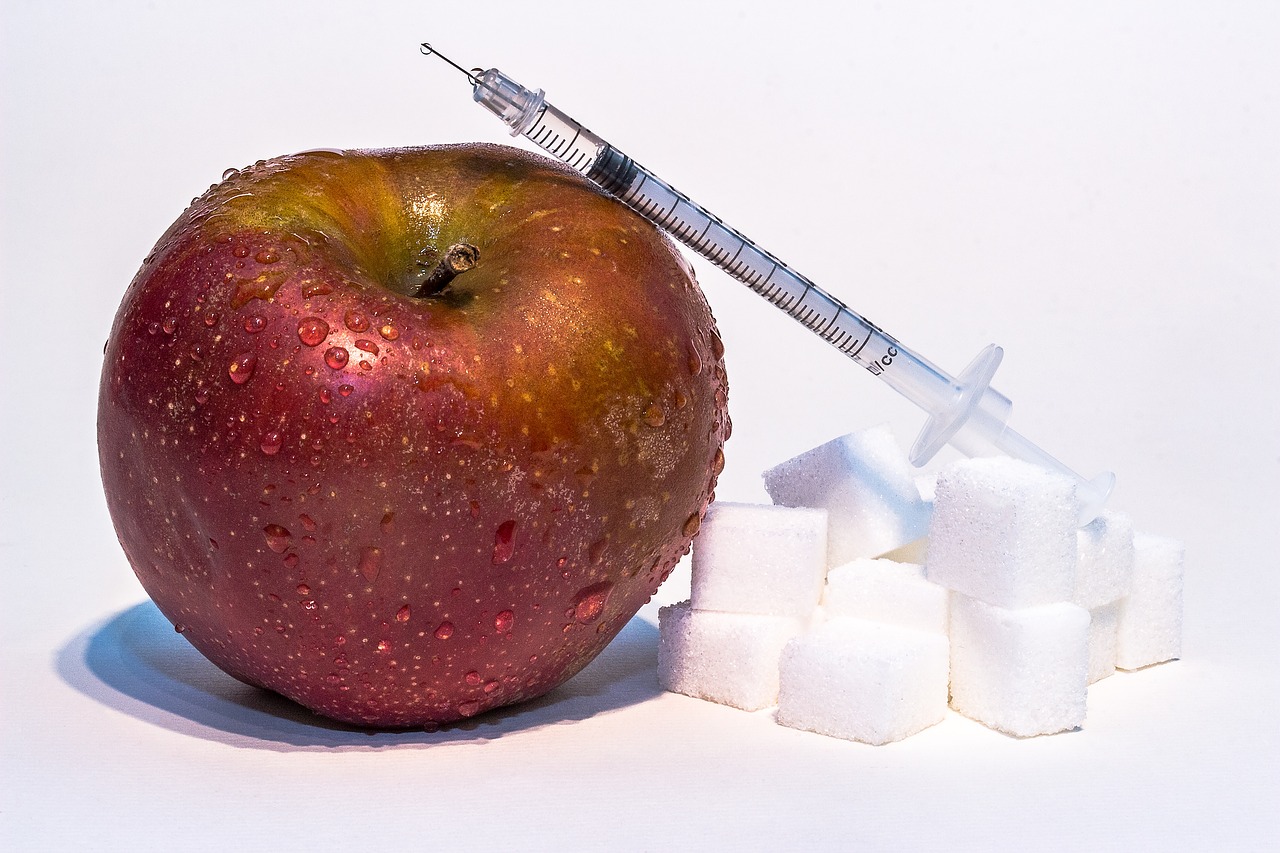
517,106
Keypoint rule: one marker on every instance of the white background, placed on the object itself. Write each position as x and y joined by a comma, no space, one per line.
1094,186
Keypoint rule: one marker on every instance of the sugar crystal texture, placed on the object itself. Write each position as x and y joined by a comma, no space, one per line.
1151,614
866,485
863,681
1024,671
888,592
728,658
1004,532
1104,625
1104,566
756,558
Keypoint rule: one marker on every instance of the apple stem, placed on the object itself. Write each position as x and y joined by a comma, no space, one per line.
458,258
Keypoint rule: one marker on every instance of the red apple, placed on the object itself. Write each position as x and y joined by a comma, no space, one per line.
407,435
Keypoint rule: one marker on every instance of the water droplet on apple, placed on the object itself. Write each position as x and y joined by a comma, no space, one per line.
589,603
596,552
473,678
336,358
240,251
267,256
277,538
255,323
388,522
469,708
179,628
654,416
356,321
503,621
491,685
367,346
169,325
691,524
230,173
326,396
291,561
303,589
308,524
444,630
345,390
504,542
308,605
389,331
202,396
695,361
384,646
717,347
370,563
312,331
211,319
241,368
272,442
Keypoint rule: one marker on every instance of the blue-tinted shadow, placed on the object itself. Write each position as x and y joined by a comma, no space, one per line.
136,663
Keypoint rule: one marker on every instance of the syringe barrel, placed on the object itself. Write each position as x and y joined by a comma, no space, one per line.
964,411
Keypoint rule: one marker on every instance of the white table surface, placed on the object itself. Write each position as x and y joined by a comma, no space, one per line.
1094,186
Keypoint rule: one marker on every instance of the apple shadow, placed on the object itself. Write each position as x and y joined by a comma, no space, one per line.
135,663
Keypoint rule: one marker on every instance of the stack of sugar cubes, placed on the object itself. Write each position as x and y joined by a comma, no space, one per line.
862,610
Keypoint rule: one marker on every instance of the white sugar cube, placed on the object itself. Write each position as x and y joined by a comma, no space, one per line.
729,658
863,681
751,558
1104,624
867,486
888,592
1004,532
1023,672
1151,614
1104,565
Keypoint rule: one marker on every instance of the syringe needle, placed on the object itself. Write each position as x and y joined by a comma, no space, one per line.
963,411
428,50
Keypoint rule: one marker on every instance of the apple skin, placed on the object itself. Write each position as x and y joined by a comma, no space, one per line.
400,511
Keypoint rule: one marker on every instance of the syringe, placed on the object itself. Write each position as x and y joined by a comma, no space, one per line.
964,411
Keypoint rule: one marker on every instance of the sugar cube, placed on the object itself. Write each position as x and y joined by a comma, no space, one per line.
751,558
867,486
888,592
1024,671
1104,624
729,658
1151,614
863,681
1104,566
1004,532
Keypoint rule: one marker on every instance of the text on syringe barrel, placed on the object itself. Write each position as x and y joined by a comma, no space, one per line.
706,234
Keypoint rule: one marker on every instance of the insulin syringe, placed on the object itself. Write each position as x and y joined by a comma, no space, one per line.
964,411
